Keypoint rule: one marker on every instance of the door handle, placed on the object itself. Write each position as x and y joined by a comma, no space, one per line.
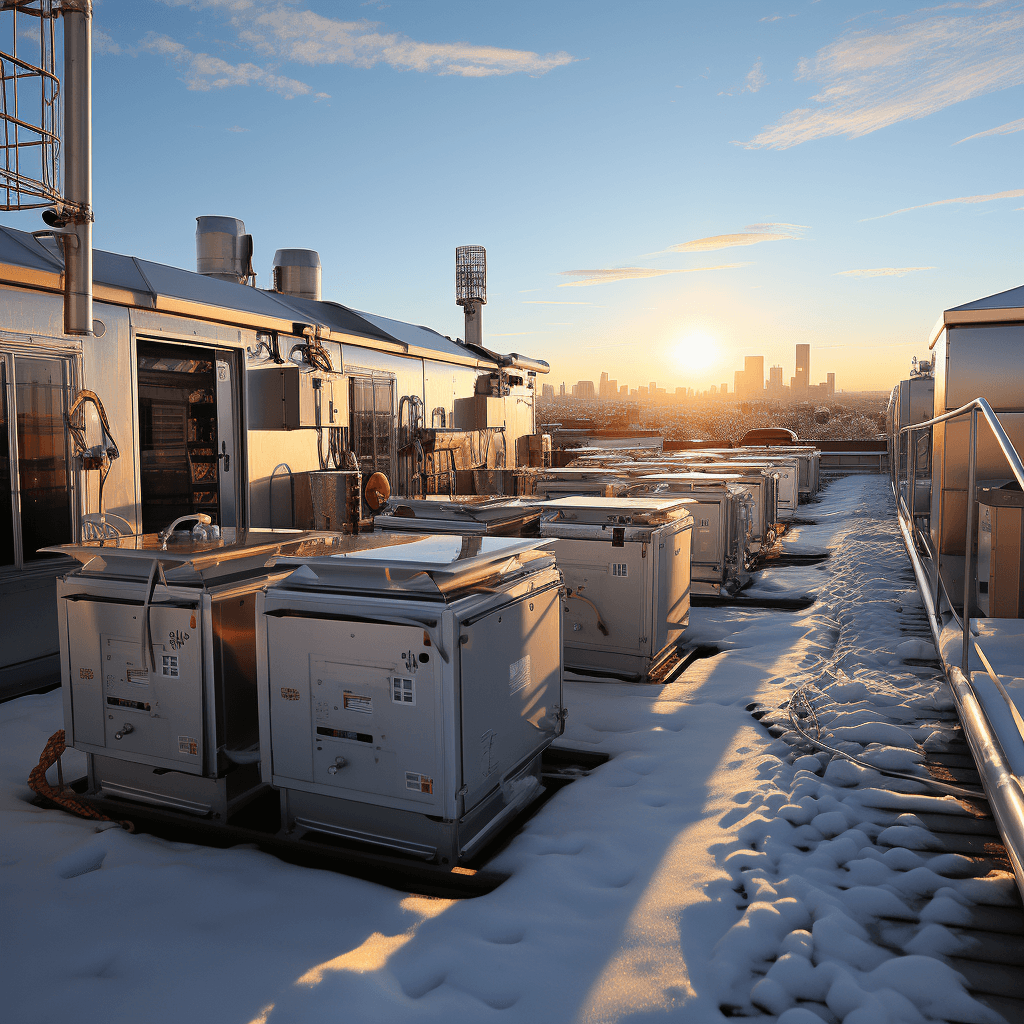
225,456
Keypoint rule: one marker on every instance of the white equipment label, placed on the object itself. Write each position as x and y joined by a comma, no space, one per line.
519,675
188,745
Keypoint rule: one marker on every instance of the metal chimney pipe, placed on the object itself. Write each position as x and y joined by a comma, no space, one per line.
77,239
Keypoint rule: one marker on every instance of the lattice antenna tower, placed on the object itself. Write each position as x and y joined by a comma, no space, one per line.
37,119
471,288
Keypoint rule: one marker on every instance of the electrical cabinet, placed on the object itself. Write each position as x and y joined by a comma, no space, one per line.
1001,552
313,398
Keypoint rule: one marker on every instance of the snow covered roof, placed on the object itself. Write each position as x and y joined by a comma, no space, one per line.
129,281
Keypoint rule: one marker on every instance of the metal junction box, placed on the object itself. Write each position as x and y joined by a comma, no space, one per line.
495,517
723,512
313,398
626,566
158,664
408,685
1001,552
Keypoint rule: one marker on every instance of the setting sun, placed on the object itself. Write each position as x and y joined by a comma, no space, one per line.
697,351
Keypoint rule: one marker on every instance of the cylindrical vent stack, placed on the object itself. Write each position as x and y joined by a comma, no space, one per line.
297,272
78,167
470,274
223,249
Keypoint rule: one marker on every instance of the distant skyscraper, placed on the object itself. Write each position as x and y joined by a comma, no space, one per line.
548,391
803,370
739,384
624,391
562,391
775,378
652,389
831,379
584,389
753,372
602,387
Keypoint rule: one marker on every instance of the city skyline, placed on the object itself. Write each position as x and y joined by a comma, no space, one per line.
748,384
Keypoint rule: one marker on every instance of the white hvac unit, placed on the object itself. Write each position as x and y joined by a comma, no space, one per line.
808,463
626,566
785,471
158,663
597,482
763,485
723,513
408,685
494,517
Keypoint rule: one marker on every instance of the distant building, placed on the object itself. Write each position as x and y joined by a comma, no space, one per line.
548,391
753,374
831,381
624,391
724,389
802,380
680,392
652,388
562,391
641,391
584,389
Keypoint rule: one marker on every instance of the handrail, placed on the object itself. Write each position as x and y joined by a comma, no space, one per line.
996,427
972,409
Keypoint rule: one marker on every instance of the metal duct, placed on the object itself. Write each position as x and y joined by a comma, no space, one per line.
223,249
297,272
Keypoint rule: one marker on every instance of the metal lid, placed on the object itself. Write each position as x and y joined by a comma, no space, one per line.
1005,496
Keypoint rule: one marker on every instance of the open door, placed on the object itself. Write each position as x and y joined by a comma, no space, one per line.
189,418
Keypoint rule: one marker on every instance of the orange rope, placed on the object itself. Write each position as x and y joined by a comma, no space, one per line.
63,797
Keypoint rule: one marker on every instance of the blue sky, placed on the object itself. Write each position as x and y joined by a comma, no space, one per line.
662,187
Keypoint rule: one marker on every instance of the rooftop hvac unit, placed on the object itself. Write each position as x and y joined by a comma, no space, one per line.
763,485
159,667
784,469
626,565
469,516
1001,551
808,460
408,685
723,512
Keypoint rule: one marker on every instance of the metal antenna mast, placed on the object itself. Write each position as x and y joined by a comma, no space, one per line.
471,288
30,93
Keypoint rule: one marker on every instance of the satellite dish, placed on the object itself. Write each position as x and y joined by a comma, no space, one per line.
377,491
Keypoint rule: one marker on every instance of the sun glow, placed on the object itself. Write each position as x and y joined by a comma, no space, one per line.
696,352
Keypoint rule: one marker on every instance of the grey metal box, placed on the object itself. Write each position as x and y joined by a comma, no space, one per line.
313,398
1001,552
626,566
158,664
408,685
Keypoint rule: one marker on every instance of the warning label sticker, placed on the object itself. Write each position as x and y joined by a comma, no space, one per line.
519,674
357,702
290,693
188,745
418,783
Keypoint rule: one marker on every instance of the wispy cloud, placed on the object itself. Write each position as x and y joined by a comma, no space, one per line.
882,272
756,78
202,72
1012,194
592,277
281,31
909,70
750,235
1004,129
102,43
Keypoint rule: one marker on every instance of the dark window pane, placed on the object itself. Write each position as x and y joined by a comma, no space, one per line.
6,512
42,460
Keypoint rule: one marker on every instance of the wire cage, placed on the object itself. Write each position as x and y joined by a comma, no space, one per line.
470,274
29,105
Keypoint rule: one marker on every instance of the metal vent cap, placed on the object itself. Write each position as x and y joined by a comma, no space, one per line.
298,272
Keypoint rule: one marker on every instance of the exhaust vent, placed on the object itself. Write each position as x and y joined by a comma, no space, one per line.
223,249
297,272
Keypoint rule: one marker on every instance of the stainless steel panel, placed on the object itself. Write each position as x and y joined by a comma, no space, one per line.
985,361
511,690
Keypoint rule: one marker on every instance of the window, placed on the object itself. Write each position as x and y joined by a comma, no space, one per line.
38,509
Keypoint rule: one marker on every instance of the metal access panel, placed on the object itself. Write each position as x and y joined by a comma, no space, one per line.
355,711
313,398
511,676
123,703
1001,553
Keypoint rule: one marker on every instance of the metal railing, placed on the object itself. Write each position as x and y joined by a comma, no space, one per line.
971,409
